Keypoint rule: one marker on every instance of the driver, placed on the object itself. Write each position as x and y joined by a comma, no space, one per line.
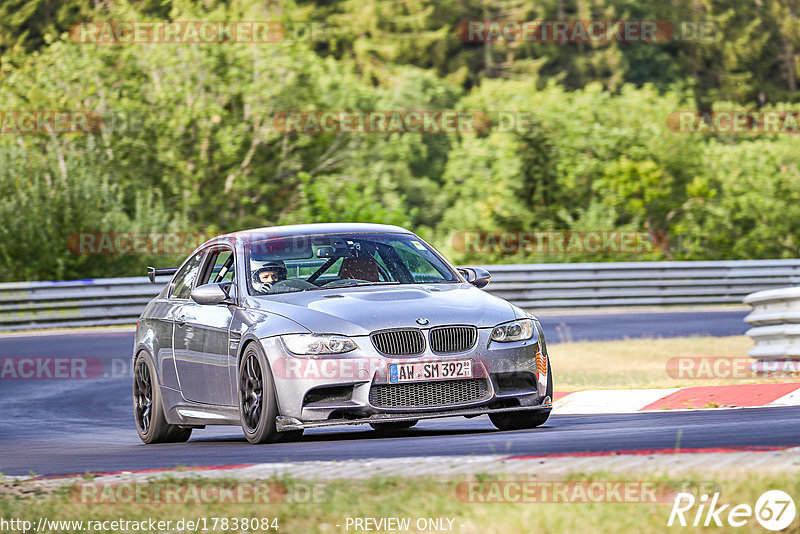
269,273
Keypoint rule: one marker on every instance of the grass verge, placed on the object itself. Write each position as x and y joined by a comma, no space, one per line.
642,363
414,499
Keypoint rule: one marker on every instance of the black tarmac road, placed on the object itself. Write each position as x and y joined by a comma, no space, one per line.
59,426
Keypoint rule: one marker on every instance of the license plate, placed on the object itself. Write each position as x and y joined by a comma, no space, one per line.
412,372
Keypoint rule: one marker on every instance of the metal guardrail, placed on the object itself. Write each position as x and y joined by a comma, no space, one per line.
111,301
775,317
98,302
661,283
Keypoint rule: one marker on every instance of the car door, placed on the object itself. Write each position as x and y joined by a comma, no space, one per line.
201,340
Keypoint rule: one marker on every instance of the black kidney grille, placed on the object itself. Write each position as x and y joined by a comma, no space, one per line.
428,394
399,342
448,339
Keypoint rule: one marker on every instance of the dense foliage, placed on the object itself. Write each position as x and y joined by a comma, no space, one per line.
188,142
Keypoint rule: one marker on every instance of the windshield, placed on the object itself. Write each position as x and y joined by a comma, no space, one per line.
302,263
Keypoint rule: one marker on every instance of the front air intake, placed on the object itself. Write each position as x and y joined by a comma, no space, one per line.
428,394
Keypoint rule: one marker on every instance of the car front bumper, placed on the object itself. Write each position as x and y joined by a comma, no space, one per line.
363,369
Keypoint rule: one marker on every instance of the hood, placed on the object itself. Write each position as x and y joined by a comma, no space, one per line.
357,311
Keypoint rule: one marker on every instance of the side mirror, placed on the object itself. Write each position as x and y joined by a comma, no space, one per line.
476,276
210,294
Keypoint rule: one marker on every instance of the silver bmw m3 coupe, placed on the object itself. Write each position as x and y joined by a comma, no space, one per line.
286,328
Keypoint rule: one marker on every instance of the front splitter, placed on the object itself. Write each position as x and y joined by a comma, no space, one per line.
285,424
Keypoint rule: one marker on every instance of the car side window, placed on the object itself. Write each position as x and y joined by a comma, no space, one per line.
184,280
221,267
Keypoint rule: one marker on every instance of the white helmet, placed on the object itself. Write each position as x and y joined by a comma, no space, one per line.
277,267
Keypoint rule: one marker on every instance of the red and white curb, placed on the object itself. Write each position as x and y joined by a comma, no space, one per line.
696,397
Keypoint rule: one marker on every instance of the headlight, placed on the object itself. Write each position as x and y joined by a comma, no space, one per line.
518,330
318,343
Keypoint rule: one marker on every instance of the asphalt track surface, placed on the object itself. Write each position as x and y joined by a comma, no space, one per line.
52,426
610,326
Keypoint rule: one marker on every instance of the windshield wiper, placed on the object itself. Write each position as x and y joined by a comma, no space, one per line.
353,283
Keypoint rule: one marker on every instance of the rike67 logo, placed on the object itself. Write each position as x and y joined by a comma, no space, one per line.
774,510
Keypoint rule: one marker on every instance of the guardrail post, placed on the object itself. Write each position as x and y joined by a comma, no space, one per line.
775,318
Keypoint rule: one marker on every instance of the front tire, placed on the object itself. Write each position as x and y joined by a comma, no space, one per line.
258,406
523,420
148,407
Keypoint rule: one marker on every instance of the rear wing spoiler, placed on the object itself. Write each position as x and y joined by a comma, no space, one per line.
152,272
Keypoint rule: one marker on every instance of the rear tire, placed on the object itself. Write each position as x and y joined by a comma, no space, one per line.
395,425
527,419
258,406
148,407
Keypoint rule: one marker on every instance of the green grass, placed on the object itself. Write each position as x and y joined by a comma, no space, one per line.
419,498
641,363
